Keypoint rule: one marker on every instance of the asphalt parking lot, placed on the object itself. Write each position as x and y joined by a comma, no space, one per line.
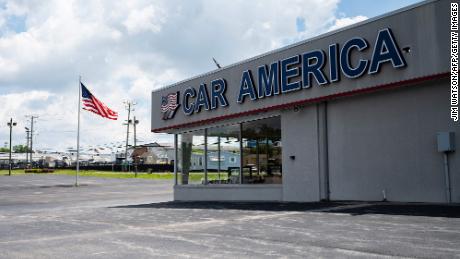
43,216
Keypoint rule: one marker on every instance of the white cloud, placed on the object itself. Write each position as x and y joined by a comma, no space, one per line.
149,18
345,21
125,49
15,101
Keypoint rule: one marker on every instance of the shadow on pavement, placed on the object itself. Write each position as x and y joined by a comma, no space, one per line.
62,185
425,210
264,206
352,208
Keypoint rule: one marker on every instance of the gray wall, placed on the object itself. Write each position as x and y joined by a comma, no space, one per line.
299,136
387,140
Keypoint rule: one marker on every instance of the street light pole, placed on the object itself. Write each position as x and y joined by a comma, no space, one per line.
135,122
11,124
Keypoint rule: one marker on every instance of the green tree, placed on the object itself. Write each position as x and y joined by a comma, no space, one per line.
4,149
20,149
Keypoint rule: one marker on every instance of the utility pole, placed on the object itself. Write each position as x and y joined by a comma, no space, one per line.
27,144
135,122
32,138
129,106
32,117
10,124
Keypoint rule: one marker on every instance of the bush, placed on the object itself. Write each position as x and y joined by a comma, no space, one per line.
39,170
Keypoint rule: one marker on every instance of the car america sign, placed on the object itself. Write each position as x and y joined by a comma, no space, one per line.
295,73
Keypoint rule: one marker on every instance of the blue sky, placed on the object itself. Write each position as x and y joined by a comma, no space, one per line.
371,8
16,23
125,49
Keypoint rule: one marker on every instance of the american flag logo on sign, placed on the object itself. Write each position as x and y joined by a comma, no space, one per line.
169,105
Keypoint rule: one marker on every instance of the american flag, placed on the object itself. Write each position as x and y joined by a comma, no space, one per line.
169,102
92,104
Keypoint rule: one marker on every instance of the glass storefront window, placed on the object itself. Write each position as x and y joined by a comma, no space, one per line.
262,151
224,154
215,154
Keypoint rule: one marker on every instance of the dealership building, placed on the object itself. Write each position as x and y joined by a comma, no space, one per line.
360,113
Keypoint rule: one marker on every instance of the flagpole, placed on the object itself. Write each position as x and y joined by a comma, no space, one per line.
78,133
